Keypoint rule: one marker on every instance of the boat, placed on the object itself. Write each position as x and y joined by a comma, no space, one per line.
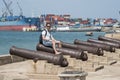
15,24
91,28
89,34
8,21
77,29
62,28
117,31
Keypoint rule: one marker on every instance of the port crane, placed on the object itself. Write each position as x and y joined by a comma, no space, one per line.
7,5
21,12
4,11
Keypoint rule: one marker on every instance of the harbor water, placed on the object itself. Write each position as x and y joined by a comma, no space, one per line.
29,40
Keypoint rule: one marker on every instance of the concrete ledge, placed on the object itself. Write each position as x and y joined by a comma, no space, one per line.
43,76
93,69
13,76
7,59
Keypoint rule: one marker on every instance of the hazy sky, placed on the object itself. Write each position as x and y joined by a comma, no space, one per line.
76,8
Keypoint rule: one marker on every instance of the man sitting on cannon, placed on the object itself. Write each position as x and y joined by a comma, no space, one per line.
47,39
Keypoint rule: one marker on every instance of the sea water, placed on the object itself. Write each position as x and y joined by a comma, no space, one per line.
29,40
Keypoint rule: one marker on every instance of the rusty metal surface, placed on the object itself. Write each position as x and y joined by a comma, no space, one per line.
39,55
78,54
104,47
89,49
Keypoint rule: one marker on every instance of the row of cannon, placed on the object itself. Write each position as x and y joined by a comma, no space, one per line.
75,50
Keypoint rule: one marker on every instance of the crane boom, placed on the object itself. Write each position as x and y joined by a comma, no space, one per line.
5,10
7,7
21,13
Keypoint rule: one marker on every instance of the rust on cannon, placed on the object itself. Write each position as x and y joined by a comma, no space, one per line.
89,49
39,55
104,47
65,51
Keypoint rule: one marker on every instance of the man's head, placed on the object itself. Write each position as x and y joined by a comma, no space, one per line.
48,26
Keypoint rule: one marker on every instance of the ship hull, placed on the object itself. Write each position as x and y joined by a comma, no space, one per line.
13,28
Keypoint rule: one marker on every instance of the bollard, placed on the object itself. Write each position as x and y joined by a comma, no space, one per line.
89,49
39,55
104,42
65,51
104,47
117,41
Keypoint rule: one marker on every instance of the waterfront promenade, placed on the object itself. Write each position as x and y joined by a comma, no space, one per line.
16,71
109,72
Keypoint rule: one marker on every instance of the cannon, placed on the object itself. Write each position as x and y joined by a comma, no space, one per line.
39,55
89,49
117,41
104,42
65,51
104,47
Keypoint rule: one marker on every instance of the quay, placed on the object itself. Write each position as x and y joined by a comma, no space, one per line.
104,67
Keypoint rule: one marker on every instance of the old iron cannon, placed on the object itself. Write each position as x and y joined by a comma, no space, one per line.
104,47
89,49
104,42
39,55
65,51
117,41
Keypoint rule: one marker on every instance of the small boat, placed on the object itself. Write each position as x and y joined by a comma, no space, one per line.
118,31
89,34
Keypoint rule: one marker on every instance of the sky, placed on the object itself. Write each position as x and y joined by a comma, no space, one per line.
76,8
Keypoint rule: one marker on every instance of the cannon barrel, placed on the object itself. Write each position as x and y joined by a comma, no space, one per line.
104,42
89,49
65,51
109,39
104,47
39,55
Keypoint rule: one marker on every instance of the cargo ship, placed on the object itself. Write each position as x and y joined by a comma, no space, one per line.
8,21
17,24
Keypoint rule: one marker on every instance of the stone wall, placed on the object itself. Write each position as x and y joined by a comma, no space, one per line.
7,59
